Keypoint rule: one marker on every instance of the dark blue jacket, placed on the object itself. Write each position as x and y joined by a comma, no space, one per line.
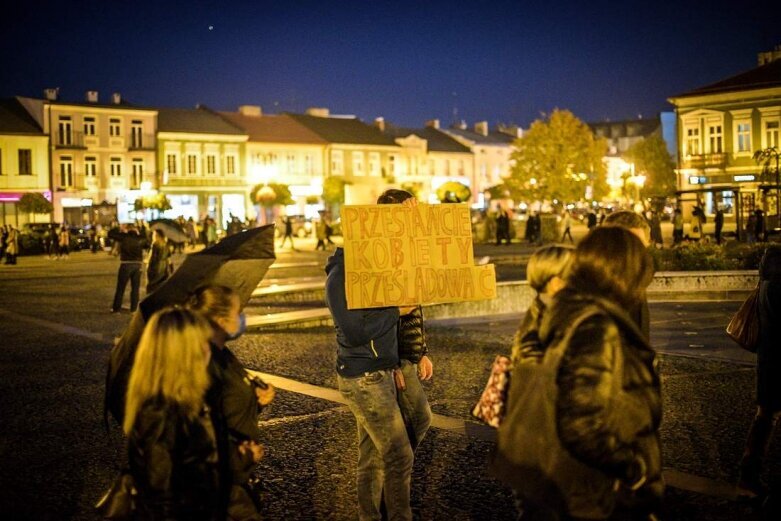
366,338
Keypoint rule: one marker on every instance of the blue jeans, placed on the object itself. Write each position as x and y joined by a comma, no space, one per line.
384,450
414,405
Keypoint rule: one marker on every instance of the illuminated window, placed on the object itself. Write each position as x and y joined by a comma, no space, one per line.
374,163
137,174
192,164
308,164
337,162
114,127
25,161
116,167
715,139
692,142
66,171
137,134
358,163
211,164
291,163
90,166
771,134
743,134
65,131
89,126
230,164
172,162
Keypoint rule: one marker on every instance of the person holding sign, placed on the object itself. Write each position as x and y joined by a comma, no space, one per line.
367,363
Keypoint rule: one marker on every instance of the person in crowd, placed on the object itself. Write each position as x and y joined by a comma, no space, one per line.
131,245
602,216
366,364
719,224
546,272
751,228
63,241
502,226
531,228
566,224
3,240
677,226
172,450
768,389
209,232
321,233
94,238
192,232
591,219
636,224
698,219
11,245
236,399
608,405
656,229
759,225
160,264
329,229
288,223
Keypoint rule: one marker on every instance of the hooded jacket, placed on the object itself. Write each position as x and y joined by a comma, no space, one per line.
367,338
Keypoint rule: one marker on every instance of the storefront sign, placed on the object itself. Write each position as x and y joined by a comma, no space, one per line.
743,178
397,255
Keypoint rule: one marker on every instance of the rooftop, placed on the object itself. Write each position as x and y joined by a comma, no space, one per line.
198,121
762,77
277,128
344,130
14,118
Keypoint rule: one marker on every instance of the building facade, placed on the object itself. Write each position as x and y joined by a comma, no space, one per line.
201,158
720,127
24,162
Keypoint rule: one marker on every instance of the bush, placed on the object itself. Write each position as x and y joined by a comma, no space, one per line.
709,257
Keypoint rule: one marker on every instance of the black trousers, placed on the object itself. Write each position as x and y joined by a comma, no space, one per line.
128,271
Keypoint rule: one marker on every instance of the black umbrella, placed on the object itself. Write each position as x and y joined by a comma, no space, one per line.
172,229
239,261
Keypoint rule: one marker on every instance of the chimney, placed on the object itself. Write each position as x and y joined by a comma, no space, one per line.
432,123
766,57
250,110
379,122
319,112
481,127
91,96
116,98
51,94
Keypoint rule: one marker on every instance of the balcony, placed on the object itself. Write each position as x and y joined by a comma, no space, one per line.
141,142
705,161
69,140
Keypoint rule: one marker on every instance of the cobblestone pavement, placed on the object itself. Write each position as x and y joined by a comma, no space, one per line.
55,332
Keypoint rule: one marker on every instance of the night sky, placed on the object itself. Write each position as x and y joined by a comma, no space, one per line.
501,61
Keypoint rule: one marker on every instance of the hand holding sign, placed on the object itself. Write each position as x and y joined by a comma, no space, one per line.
409,254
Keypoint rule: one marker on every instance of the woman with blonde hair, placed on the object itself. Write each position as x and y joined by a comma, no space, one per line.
236,399
172,449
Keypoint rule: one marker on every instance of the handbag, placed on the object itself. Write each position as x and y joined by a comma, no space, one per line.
119,500
491,406
529,456
743,327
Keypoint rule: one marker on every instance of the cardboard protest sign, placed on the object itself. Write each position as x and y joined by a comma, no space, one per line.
396,255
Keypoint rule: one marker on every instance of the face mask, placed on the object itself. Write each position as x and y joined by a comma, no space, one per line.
242,328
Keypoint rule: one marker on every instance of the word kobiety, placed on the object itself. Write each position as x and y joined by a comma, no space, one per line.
419,285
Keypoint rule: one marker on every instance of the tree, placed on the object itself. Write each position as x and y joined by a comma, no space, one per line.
453,192
271,194
557,159
34,202
650,156
158,202
333,190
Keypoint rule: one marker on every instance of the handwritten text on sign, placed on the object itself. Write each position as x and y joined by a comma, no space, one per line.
397,255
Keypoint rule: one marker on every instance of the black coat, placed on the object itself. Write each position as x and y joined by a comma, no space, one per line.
412,336
173,461
769,348
131,245
605,431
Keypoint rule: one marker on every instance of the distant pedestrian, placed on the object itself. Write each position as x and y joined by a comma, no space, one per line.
192,232
94,239
502,226
288,222
719,224
321,234
677,226
656,229
566,224
160,265
131,245
11,245
63,241
591,219
751,228
697,222
768,390
759,225
172,449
